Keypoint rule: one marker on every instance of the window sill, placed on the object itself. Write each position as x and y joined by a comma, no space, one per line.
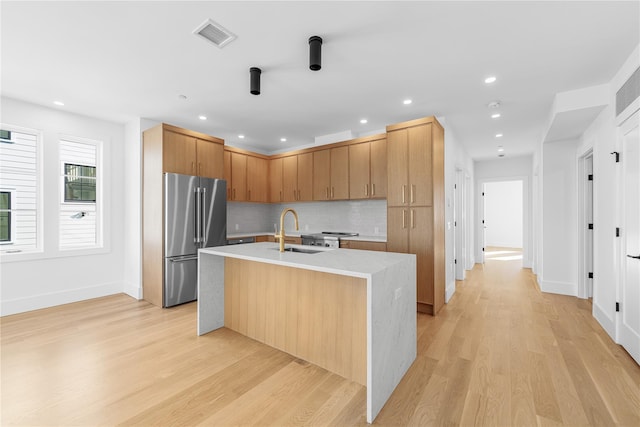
34,255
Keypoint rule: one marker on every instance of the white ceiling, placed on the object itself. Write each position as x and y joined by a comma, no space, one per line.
121,60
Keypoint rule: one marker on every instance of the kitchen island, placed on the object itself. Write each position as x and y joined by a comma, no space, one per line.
351,312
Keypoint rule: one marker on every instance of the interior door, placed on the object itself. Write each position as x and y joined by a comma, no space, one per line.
629,326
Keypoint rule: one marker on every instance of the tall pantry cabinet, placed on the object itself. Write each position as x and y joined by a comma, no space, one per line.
415,204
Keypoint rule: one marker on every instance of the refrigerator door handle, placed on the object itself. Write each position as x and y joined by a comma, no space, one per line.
183,258
203,216
198,212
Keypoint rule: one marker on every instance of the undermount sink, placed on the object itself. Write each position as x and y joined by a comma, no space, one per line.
302,251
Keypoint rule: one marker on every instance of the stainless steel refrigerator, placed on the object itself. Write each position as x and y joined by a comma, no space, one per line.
195,212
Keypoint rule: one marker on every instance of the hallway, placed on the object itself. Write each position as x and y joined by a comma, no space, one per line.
500,353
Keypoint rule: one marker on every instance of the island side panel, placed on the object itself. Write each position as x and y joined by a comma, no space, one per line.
316,316
392,336
210,292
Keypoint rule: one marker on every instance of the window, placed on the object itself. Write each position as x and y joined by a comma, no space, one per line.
79,183
20,218
80,224
6,216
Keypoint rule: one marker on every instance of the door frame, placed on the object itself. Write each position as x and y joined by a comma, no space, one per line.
526,237
585,245
623,334
460,225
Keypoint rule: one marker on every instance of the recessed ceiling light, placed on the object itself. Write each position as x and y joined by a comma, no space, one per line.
363,121
500,149
283,139
59,103
407,101
490,79
202,117
498,135
495,116
241,136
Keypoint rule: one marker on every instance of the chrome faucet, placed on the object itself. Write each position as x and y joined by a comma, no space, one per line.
282,236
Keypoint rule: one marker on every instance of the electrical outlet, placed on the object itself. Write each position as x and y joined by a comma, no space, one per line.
398,293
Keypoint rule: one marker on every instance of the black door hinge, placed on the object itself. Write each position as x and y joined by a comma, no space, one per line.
590,275
617,306
455,223
455,186
455,261
483,221
482,249
617,231
617,154
590,177
590,226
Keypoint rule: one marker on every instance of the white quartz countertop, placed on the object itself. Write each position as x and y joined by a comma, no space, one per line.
292,233
347,262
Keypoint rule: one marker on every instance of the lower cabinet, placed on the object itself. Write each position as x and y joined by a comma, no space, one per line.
289,239
410,230
363,245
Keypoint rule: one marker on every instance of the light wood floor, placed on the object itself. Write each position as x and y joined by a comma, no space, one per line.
500,353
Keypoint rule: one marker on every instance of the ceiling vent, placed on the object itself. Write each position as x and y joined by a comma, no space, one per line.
214,33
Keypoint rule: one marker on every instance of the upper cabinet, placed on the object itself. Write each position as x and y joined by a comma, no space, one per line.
292,178
368,169
410,158
331,174
191,153
247,176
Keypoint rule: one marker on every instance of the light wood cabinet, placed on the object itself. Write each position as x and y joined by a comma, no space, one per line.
331,174
275,181
294,175
247,176
363,245
368,170
238,177
415,203
184,153
257,179
169,149
410,157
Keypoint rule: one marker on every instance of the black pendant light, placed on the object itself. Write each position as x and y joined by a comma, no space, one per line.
255,80
315,53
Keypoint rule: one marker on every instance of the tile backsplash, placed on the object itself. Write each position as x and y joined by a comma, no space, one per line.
366,217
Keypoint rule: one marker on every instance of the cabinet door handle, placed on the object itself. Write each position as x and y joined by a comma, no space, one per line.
295,195
234,194
326,192
404,219
298,194
404,190
332,192
413,224
248,194
413,199
366,189
193,167
199,168
373,189
280,195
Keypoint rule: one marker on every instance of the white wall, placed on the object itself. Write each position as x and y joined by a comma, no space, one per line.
603,137
455,158
503,214
506,169
559,218
32,281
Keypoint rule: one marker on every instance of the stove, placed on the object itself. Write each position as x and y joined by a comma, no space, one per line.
328,239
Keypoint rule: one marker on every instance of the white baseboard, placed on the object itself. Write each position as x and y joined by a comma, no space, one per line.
449,291
562,288
133,290
36,302
606,321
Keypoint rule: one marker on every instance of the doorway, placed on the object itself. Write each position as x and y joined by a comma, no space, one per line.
502,217
586,225
628,318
